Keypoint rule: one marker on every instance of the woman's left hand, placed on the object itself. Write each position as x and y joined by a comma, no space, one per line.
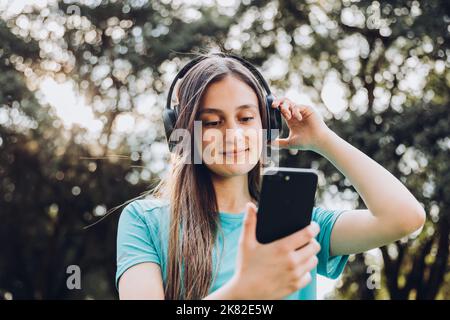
306,126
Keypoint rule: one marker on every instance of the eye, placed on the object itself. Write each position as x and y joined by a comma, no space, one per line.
211,123
247,119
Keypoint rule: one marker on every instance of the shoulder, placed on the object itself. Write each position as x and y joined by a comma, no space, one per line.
148,211
144,206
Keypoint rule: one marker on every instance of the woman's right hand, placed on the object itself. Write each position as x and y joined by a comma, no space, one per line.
276,269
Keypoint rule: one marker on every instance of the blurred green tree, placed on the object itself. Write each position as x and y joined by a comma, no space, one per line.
55,180
391,59
49,194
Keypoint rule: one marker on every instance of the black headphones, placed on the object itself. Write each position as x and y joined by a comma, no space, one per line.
170,115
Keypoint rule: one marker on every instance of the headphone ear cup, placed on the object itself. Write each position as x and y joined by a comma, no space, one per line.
176,109
169,119
273,119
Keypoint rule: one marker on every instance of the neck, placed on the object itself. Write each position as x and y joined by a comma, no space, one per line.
232,193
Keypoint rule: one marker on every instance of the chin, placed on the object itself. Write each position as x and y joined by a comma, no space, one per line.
231,170
236,167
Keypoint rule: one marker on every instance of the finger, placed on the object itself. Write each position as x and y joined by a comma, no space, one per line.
300,238
311,263
283,104
280,142
306,252
285,109
304,280
276,102
305,110
308,265
296,112
248,234
293,109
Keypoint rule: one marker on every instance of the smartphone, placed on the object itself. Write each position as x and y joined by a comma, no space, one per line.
286,202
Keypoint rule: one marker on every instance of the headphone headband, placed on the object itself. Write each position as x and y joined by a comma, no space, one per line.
193,62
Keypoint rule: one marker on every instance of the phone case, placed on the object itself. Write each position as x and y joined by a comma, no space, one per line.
286,202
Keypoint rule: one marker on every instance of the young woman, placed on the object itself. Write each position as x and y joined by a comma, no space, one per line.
195,239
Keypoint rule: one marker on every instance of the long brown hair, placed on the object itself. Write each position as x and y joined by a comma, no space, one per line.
194,218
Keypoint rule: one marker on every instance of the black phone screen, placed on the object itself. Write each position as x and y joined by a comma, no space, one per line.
286,202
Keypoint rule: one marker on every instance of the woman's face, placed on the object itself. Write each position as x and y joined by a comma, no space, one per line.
231,127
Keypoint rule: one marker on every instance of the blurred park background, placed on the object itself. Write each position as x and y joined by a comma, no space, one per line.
83,84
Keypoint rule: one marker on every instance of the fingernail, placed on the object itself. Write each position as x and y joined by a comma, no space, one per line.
314,227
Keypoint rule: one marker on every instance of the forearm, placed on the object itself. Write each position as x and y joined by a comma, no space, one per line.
384,195
228,291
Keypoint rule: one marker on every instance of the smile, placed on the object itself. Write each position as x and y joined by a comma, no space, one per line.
235,152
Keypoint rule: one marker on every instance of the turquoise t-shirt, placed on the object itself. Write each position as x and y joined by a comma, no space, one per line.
142,236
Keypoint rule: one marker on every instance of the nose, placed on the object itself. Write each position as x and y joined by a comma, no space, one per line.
234,137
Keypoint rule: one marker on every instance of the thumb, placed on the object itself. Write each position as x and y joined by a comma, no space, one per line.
248,234
280,142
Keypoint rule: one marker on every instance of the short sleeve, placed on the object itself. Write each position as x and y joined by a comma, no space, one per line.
134,240
328,266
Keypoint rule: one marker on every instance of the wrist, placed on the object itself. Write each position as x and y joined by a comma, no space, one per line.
323,140
234,288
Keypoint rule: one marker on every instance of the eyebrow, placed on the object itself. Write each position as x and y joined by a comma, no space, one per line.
214,110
